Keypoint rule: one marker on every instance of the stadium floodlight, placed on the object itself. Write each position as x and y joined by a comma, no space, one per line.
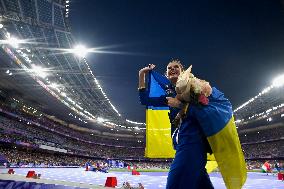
63,94
100,119
134,122
80,51
54,85
14,42
278,81
39,71
238,121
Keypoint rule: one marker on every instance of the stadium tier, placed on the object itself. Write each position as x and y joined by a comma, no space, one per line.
33,132
267,106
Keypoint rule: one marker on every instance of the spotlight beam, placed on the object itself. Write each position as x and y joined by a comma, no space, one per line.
83,51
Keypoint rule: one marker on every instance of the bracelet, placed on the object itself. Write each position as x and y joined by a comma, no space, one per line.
141,88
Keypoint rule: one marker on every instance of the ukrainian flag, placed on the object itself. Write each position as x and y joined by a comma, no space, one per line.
217,122
158,127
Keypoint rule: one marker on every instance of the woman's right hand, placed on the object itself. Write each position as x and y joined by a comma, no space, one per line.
147,68
142,75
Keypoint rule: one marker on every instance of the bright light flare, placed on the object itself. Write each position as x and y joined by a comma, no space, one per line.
100,119
278,81
238,121
54,85
64,94
134,122
39,71
14,42
80,51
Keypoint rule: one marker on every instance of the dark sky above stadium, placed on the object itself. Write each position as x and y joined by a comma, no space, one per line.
236,45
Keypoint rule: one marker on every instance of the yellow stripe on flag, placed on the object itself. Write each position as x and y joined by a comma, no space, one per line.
158,134
228,153
211,164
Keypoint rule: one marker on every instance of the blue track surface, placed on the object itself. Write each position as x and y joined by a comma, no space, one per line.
151,180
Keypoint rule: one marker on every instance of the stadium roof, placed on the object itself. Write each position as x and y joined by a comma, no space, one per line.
41,66
264,106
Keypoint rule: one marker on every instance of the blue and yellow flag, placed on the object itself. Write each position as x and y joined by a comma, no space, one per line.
158,127
217,122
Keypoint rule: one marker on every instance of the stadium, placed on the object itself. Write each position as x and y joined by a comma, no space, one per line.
57,122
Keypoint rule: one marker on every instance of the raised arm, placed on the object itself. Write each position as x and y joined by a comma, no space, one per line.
144,93
142,75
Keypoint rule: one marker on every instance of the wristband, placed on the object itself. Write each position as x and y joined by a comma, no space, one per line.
141,88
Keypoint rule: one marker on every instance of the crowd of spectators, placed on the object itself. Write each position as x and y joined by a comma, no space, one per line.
72,146
263,143
31,158
56,127
16,130
264,149
24,157
262,135
33,131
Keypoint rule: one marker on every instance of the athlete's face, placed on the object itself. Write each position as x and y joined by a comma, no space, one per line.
173,71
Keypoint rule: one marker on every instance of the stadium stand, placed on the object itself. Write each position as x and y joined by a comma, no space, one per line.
28,138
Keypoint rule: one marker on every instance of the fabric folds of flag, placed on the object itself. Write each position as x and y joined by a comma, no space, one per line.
158,127
265,168
217,122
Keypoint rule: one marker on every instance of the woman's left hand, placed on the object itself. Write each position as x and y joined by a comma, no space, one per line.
173,102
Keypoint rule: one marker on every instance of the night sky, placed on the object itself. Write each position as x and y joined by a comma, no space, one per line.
238,46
